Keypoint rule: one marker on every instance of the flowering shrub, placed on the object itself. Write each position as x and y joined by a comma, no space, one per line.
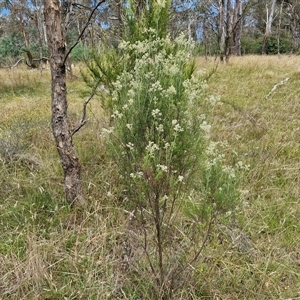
156,136
159,139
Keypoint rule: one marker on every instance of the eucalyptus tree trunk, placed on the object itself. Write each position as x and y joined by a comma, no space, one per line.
279,27
294,29
228,31
221,28
269,22
224,28
60,126
237,28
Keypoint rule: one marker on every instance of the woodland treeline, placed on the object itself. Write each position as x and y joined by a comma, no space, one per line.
220,27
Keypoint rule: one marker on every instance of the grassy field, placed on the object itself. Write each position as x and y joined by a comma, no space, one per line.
47,252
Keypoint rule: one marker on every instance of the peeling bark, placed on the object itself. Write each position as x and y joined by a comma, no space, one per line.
60,126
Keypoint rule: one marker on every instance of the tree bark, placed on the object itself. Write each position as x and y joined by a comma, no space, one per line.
225,28
293,16
279,27
268,26
221,29
60,126
228,24
237,28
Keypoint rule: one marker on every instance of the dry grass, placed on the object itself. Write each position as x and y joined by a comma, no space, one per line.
264,133
48,252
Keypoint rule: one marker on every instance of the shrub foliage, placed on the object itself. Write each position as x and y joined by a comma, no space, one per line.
158,139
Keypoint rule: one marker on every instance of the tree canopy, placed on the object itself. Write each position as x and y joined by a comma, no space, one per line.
220,27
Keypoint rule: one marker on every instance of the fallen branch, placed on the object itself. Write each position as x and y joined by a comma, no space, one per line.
13,66
282,82
83,119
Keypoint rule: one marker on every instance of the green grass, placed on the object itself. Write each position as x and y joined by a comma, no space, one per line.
50,252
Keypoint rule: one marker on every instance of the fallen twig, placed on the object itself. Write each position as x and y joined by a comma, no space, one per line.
282,82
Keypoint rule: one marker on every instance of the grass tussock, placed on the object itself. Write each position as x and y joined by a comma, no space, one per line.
50,252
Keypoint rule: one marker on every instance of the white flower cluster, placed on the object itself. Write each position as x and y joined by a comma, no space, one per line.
151,148
160,128
129,126
176,126
136,175
156,114
180,178
215,156
173,70
214,100
194,88
213,151
116,114
167,145
205,127
241,166
170,91
229,171
130,146
162,168
106,131
155,87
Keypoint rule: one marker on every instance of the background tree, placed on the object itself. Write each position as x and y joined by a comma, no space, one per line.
219,27
292,13
237,28
269,21
26,18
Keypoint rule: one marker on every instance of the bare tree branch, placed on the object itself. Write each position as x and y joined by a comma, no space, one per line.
83,30
83,119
